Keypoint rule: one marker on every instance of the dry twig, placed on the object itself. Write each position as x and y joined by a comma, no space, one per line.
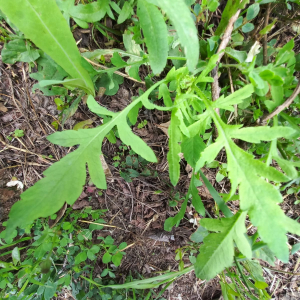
283,106
225,40
116,72
26,151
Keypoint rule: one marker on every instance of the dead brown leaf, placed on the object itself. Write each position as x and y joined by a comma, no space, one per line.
3,108
164,127
80,204
107,172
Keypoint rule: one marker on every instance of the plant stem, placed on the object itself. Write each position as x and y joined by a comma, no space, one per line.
243,276
265,43
225,40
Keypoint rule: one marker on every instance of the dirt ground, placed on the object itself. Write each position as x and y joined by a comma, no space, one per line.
136,208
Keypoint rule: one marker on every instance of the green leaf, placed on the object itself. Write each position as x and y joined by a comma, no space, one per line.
64,180
133,114
48,69
210,66
16,255
230,10
116,259
287,166
295,248
268,28
261,285
16,50
277,98
155,33
257,196
292,121
239,56
92,12
265,133
236,98
65,6
222,205
209,153
186,29
50,289
106,258
98,109
125,12
172,221
192,148
115,7
213,5
256,80
165,93
174,148
110,82
218,249
69,83
247,27
196,200
50,32
252,11
255,269
199,235
264,253
90,255
82,256
238,23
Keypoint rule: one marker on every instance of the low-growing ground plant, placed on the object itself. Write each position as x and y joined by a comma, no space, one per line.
55,257
250,114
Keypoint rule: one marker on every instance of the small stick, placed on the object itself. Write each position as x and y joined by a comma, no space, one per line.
232,91
116,72
129,246
225,40
284,272
27,151
265,43
283,106
100,224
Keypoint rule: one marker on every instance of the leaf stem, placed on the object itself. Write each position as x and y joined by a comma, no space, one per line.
243,276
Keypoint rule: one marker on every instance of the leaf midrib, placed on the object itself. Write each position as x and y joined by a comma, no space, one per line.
56,41
227,144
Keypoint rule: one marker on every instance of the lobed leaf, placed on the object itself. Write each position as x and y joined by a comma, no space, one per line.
235,98
265,133
257,196
217,250
64,180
